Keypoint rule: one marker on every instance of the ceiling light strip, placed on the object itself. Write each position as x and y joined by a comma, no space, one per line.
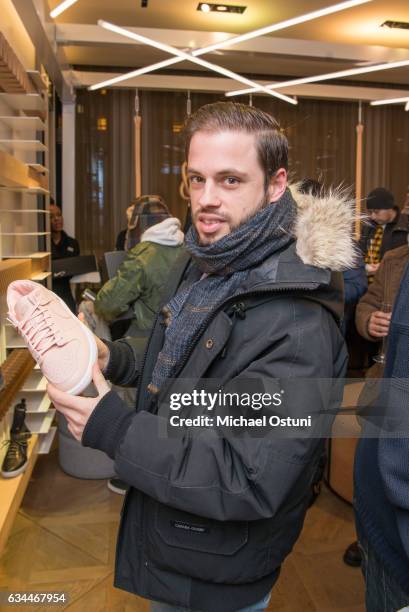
389,101
232,41
288,23
190,58
323,77
133,74
61,8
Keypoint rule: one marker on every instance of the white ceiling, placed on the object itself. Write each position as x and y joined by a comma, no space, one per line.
337,42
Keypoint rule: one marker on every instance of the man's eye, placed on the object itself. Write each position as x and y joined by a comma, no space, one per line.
232,180
195,179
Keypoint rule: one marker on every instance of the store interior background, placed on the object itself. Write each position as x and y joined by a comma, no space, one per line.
61,530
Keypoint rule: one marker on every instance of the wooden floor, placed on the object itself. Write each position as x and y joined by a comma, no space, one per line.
64,540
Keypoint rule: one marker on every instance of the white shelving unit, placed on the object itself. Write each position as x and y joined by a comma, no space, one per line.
40,423
23,124
8,145
46,440
36,382
23,102
25,227
39,167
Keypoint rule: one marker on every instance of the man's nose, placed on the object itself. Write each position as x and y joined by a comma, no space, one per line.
209,195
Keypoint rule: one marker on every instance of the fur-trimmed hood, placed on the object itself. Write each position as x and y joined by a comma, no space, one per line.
324,229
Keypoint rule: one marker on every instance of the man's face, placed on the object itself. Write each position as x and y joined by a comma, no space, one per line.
382,215
56,218
226,182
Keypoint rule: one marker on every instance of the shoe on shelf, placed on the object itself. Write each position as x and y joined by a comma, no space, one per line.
352,555
116,485
15,460
18,425
63,347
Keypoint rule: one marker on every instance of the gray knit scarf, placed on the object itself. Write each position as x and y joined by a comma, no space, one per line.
226,264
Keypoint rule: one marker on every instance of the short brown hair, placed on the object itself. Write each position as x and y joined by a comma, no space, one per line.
272,145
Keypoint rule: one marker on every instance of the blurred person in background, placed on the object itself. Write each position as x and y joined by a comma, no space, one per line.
388,229
62,246
373,319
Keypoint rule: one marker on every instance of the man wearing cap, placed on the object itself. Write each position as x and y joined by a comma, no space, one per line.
387,230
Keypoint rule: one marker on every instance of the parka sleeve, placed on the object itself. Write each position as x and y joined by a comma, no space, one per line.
117,295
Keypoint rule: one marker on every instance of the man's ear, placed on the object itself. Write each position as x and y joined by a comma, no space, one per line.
278,185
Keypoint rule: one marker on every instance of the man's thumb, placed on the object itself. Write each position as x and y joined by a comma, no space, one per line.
99,380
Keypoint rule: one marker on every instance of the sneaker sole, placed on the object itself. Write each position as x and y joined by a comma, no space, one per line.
87,378
14,473
115,489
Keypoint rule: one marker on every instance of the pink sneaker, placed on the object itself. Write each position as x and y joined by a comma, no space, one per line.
63,347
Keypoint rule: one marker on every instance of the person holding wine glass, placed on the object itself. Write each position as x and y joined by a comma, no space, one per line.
373,313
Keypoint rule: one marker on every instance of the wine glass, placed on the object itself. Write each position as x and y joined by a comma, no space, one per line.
381,356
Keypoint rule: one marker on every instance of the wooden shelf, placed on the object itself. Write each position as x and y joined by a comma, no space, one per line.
37,211
36,403
40,422
39,255
25,233
16,368
24,102
40,276
21,124
22,145
39,167
46,441
27,190
12,491
35,383
11,270
37,80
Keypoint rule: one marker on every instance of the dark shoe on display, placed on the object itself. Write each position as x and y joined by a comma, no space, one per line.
117,486
15,460
19,426
352,555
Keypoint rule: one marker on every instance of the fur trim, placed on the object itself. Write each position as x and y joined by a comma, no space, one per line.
324,229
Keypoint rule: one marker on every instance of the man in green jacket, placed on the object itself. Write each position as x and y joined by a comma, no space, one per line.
140,279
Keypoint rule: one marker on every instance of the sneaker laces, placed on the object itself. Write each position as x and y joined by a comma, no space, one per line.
15,446
39,330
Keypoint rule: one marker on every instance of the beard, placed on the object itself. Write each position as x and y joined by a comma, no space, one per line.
233,226
265,201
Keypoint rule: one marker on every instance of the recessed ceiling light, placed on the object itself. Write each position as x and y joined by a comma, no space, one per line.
208,7
400,25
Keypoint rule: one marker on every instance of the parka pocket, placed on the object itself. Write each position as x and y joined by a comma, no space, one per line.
196,546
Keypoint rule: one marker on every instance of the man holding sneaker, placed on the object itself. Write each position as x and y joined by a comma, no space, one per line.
210,516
